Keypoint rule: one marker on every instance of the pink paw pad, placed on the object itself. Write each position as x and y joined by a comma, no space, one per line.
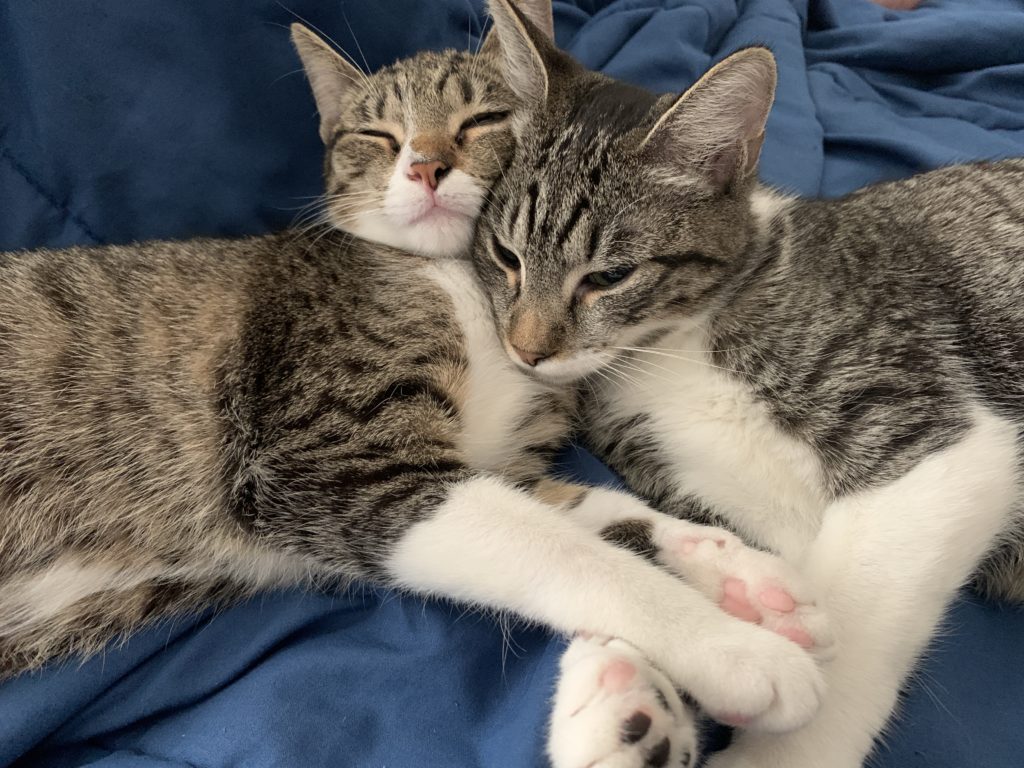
736,602
617,675
777,599
799,636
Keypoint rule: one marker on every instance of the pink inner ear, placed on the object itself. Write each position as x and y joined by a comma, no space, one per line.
721,167
753,154
734,163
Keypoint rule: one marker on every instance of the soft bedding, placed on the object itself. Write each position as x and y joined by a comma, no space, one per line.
132,119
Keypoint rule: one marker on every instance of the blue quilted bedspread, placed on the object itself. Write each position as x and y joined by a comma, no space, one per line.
131,119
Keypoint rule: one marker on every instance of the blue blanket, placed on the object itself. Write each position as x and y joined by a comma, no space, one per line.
132,119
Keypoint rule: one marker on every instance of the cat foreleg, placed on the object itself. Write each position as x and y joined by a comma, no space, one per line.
748,583
889,561
496,546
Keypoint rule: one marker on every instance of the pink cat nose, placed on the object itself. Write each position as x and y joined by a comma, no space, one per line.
429,173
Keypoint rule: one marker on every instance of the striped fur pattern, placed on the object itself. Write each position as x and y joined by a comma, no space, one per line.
183,424
187,422
411,151
145,375
157,401
840,381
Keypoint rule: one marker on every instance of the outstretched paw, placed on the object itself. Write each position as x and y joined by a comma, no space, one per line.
614,710
751,585
754,679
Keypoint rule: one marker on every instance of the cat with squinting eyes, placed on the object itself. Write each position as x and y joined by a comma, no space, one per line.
840,381
185,423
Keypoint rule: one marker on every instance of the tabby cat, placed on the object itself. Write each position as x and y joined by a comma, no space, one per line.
839,381
184,423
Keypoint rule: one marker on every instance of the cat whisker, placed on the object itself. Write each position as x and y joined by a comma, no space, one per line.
469,29
302,207
683,358
483,37
276,80
607,372
364,79
366,64
306,212
310,219
629,378
696,351
646,372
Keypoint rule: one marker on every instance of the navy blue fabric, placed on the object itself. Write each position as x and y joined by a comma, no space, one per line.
132,119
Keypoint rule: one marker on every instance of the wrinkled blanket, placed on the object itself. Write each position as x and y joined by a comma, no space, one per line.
132,119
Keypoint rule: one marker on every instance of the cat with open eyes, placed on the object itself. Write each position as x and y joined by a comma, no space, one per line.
838,381
185,423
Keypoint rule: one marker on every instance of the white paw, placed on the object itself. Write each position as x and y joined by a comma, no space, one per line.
614,710
751,585
754,679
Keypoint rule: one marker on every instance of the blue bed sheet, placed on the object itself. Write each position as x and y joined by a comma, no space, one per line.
133,119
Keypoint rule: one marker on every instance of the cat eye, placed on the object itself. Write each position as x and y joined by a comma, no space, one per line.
607,278
391,140
507,259
478,121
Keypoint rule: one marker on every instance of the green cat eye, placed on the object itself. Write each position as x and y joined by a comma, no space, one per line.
391,140
508,259
608,278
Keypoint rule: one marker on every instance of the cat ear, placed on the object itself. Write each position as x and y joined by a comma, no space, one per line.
525,48
330,76
715,129
537,11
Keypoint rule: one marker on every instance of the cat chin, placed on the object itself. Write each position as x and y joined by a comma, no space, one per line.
565,371
447,236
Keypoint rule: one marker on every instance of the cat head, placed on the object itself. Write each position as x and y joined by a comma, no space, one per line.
413,149
622,214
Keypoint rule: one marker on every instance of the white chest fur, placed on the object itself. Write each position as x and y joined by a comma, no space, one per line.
498,396
725,447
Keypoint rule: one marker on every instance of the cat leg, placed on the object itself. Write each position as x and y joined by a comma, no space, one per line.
89,622
748,583
496,546
614,710
890,561
752,585
77,603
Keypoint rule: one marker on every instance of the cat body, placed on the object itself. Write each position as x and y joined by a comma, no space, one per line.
161,398
184,423
857,408
187,423
839,381
908,297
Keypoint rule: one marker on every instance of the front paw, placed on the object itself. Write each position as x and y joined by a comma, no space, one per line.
751,678
747,583
614,710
